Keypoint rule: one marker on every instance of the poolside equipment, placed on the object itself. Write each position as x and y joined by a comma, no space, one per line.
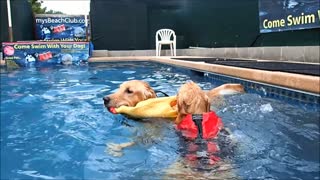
165,38
163,107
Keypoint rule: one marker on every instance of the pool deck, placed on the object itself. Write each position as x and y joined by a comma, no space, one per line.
300,82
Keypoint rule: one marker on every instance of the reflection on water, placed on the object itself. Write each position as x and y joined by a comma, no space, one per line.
54,126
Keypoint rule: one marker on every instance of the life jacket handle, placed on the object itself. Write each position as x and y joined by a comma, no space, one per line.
165,94
197,119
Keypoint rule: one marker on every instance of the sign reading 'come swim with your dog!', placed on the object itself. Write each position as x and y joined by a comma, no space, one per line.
39,54
284,15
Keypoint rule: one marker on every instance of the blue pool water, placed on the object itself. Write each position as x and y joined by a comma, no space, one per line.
54,126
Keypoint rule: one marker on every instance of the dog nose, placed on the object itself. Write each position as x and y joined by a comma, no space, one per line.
106,100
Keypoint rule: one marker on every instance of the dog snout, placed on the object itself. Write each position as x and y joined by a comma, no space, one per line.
106,100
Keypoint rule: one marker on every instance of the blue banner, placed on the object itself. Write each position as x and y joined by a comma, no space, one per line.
55,27
284,15
35,53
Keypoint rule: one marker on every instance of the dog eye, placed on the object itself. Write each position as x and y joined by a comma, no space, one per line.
129,91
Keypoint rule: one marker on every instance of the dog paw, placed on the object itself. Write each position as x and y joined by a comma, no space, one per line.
114,150
115,153
114,147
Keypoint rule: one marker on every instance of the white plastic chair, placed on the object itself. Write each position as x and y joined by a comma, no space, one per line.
165,38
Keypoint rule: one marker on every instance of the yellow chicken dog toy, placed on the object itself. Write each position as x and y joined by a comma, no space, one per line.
163,107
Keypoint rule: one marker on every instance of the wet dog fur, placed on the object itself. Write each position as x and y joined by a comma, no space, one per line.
134,91
190,99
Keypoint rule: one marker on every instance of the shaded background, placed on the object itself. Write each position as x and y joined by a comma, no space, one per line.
131,24
22,20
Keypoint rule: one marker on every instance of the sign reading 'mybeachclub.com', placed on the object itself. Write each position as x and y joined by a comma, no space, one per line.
57,27
284,15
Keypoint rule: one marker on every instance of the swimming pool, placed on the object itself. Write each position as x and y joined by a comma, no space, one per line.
54,126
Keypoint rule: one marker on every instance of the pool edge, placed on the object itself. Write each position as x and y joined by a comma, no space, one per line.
301,82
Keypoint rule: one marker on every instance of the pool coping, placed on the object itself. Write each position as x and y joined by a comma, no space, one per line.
294,81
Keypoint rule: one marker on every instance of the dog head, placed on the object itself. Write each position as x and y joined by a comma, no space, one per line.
191,100
129,94
45,30
30,57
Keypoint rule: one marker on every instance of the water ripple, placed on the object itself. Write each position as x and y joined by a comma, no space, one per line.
54,126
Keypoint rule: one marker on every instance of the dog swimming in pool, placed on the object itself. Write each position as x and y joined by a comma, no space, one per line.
204,150
205,145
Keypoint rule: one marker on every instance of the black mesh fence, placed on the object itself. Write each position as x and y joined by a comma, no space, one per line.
131,24
22,21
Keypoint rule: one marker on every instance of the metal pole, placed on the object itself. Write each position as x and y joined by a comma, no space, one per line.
9,21
87,28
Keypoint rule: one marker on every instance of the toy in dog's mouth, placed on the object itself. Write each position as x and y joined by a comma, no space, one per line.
150,108
115,109
112,110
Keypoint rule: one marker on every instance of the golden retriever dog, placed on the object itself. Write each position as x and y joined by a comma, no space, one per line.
129,94
191,100
134,91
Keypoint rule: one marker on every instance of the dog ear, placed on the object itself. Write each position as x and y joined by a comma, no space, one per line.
187,99
179,118
207,103
182,109
181,105
149,93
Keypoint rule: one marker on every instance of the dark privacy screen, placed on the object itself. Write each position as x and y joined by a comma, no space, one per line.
22,21
131,24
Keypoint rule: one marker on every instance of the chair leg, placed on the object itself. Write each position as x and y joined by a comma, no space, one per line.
160,49
157,47
171,49
174,49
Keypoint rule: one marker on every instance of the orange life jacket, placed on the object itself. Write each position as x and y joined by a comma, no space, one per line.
206,125
59,28
45,56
